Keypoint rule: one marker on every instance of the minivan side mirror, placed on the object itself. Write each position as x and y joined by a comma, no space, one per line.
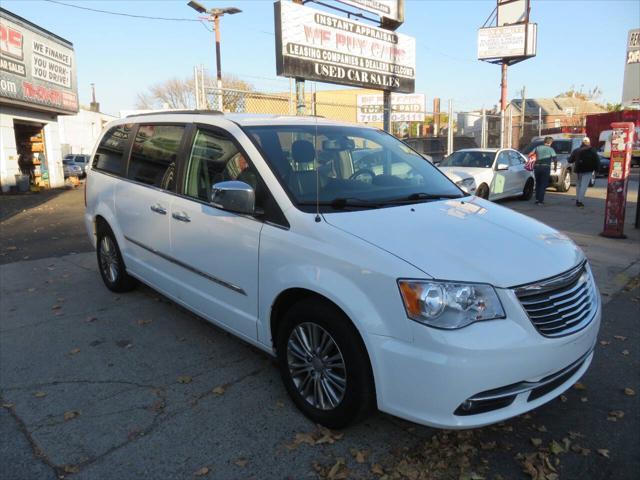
234,196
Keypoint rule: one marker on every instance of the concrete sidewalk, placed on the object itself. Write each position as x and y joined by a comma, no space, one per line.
614,261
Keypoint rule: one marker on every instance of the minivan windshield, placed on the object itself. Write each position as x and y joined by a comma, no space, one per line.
344,166
469,159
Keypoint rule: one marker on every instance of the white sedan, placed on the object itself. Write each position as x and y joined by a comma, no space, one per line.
490,173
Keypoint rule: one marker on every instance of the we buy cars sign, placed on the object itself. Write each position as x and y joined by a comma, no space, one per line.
315,45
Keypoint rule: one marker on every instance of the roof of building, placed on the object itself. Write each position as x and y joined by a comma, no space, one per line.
558,106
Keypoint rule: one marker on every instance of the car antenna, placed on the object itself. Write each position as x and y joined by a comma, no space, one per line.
315,161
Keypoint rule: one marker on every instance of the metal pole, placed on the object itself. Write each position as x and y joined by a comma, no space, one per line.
510,131
386,108
503,85
436,117
539,121
522,113
483,130
300,102
196,87
502,129
450,129
216,26
291,95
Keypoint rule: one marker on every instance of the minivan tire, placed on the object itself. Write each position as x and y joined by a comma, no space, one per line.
112,269
324,325
564,183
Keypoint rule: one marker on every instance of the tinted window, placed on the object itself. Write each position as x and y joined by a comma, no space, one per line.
109,154
214,158
470,158
154,155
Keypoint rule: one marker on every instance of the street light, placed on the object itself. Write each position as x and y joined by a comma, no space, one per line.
213,15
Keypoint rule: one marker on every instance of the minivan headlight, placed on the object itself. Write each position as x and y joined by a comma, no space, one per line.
449,305
467,184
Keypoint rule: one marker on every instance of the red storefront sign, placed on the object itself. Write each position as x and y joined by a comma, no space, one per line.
616,203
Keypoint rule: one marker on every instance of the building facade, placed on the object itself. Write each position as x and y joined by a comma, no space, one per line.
37,83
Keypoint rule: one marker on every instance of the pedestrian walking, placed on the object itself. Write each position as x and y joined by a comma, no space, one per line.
585,161
545,155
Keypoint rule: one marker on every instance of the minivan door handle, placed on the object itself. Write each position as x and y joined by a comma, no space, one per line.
157,208
182,217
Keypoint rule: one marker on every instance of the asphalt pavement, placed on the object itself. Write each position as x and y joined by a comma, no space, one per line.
96,385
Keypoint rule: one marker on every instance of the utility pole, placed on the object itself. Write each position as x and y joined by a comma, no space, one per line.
213,16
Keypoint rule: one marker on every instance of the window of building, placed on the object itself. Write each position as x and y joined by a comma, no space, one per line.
154,155
109,155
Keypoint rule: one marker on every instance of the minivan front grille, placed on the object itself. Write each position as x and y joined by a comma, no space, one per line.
560,305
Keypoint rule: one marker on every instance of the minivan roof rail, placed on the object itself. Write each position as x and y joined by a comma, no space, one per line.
180,112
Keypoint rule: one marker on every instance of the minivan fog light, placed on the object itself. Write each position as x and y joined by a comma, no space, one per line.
449,305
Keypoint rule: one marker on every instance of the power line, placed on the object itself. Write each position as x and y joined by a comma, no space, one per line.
124,14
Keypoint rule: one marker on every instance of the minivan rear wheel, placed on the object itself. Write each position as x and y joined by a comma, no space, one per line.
110,263
527,192
324,364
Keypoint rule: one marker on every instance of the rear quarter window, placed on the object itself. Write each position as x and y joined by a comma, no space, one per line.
109,155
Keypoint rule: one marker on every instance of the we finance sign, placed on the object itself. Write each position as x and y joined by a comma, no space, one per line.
314,45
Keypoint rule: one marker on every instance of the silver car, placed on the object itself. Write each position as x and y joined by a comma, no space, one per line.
80,160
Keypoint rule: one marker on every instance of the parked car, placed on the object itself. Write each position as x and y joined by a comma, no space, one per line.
80,160
490,173
71,169
562,172
436,147
380,284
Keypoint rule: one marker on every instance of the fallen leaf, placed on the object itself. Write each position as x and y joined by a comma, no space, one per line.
40,394
74,351
377,469
338,471
90,319
541,428
584,399
157,406
579,386
536,442
625,352
603,451
360,456
56,307
70,415
616,413
279,404
555,448
184,379
604,342
630,392
487,445
328,436
71,469
219,390
201,472
563,399
7,405
241,462
620,337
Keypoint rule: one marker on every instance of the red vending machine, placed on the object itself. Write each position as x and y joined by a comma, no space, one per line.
621,146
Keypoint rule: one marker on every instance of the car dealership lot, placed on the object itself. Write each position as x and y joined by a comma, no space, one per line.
99,385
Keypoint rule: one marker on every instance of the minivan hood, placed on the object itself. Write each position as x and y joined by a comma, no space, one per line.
469,240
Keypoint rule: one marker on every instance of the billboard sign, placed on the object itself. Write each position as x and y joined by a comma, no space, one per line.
314,45
37,69
404,108
512,11
631,85
391,9
507,42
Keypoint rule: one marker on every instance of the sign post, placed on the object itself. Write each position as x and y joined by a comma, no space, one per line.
615,205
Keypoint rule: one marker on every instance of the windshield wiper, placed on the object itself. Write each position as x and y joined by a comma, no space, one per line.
420,196
341,203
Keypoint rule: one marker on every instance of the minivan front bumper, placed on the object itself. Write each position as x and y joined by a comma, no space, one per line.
481,374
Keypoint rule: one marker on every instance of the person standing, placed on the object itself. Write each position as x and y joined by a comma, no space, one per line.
585,161
542,169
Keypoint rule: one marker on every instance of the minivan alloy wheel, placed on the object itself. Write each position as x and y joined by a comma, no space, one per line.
317,366
109,259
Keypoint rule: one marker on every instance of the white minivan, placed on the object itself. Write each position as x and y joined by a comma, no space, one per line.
374,280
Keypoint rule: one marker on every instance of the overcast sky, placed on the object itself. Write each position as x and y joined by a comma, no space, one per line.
580,42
